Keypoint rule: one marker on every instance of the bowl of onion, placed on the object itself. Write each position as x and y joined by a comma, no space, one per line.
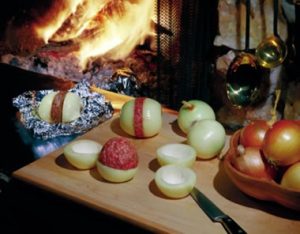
265,183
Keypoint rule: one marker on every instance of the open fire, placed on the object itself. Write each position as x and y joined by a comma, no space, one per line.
110,29
176,46
86,39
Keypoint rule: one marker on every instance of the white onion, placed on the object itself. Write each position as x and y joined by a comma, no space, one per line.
207,137
193,111
176,153
175,181
115,175
82,154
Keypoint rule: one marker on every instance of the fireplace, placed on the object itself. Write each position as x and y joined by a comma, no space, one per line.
170,64
176,61
185,54
174,55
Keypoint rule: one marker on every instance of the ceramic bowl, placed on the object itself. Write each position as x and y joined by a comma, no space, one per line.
258,188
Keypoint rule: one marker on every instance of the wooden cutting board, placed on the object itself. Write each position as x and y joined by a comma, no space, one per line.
140,202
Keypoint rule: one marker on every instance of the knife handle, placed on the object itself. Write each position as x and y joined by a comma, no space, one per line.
230,225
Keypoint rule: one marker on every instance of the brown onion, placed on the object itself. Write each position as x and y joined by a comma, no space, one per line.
250,162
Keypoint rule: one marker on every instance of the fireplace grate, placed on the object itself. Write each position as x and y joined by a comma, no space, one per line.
185,48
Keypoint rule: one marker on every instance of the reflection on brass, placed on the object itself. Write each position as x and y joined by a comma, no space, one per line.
243,80
271,52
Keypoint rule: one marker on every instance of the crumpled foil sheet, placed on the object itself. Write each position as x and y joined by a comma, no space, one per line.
123,81
96,109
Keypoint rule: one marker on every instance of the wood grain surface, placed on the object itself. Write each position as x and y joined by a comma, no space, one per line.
139,201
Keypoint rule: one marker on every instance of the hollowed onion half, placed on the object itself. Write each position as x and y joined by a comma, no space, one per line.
175,181
82,154
176,153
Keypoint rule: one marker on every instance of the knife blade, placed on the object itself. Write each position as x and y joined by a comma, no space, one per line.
214,213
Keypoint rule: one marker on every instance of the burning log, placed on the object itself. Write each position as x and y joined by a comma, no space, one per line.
87,39
110,29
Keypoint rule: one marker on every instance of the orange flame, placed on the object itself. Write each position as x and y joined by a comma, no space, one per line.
107,28
62,11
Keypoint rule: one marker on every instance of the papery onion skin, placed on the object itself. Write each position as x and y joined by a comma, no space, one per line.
253,134
291,177
281,144
250,162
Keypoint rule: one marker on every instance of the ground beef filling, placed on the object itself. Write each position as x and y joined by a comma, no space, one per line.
138,117
119,153
57,106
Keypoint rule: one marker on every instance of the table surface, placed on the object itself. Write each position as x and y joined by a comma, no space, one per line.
140,202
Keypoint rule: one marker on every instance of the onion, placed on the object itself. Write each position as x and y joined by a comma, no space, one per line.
250,162
291,177
281,144
82,154
207,137
141,117
179,154
193,111
175,181
253,134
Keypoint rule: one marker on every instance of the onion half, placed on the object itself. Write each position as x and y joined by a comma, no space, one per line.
175,181
176,153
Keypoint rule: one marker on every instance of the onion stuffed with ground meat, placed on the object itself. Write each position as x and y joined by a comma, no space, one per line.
60,107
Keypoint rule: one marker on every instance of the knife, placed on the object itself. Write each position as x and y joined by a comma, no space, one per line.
214,213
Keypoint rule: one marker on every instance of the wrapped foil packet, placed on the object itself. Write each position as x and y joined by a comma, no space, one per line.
95,109
124,81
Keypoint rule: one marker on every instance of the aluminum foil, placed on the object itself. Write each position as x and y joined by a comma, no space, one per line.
96,109
125,82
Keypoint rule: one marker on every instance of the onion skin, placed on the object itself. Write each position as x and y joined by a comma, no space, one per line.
250,162
253,134
281,144
261,189
291,177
